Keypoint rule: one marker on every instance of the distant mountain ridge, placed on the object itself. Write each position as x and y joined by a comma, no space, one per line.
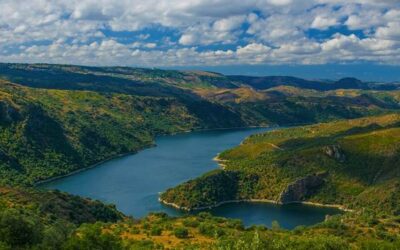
267,82
48,75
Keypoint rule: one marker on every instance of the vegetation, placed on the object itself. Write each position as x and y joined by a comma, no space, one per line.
359,159
344,232
56,119
86,115
48,133
32,219
210,96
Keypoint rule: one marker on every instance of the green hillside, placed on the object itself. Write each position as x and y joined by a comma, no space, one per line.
209,96
47,133
67,118
32,219
353,163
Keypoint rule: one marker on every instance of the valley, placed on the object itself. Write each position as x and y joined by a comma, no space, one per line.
338,145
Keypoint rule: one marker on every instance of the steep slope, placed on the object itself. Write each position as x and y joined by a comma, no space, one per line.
46,133
32,219
130,81
354,163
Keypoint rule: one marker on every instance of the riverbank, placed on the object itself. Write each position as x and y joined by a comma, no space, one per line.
41,182
38,183
308,203
222,165
220,162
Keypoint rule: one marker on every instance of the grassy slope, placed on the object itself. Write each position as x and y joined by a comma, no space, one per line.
263,166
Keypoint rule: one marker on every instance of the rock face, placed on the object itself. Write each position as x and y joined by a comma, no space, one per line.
300,189
335,152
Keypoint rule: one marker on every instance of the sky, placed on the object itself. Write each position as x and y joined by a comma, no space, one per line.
312,38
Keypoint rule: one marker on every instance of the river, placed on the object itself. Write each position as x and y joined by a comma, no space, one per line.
133,182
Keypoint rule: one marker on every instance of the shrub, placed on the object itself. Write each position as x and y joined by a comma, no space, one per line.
155,231
181,232
206,229
16,230
190,223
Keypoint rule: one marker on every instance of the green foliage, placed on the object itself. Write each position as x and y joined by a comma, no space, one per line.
75,117
48,133
207,229
181,232
67,118
356,162
275,225
215,233
156,231
19,230
208,190
92,237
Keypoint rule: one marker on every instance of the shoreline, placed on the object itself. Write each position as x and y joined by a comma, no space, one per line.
38,183
222,165
220,162
308,203
217,129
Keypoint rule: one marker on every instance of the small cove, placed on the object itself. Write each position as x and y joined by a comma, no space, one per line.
133,182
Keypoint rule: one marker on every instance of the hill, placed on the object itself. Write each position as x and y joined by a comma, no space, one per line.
48,133
352,163
206,95
67,118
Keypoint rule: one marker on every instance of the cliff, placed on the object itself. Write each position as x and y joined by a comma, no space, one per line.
302,188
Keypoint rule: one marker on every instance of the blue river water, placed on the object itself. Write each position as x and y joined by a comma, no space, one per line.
133,182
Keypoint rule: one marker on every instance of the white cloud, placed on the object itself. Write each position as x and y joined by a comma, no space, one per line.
234,31
391,31
322,23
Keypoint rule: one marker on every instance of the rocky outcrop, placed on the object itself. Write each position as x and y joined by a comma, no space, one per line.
335,152
300,189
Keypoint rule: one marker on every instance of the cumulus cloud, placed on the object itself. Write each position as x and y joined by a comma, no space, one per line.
196,32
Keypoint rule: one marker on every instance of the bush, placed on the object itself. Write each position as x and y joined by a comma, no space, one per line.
91,236
135,230
181,232
206,229
190,223
16,230
275,225
156,231
236,224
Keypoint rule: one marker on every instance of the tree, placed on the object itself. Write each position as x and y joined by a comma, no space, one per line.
16,230
181,232
91,236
